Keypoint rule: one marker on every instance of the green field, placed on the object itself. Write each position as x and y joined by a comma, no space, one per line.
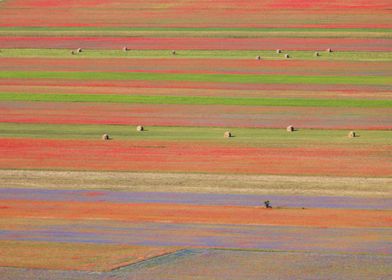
245,136
229,54
197,100
198,32
188,29
213,78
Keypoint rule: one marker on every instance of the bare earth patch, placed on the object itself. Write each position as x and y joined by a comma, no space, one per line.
198,183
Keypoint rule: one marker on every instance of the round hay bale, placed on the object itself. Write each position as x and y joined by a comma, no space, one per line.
278,51
258,57
105,137
79,50
173,52
72,52
352,134
290,128
227,134
316,54
329,50
139,128
125,49
286,56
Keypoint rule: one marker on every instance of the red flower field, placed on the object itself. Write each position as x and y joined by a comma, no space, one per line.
191,157
164,195
282,13
334,218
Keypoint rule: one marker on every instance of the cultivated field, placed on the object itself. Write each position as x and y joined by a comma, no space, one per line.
85,195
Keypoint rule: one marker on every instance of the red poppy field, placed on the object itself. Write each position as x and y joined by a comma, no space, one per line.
215,185
193,157
315,14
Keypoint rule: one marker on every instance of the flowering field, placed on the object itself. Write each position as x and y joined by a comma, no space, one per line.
58,256
191,153
283,13
289,44
179,200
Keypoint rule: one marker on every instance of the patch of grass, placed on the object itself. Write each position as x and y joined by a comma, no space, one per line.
198,32
184,29
197,100
232,54
215,78
259,137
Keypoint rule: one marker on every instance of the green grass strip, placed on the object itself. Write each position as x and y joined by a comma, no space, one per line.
214,78
258,137
198,32
185,29
197,100
215,54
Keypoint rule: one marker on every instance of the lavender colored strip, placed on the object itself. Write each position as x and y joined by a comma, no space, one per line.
196,199
284,238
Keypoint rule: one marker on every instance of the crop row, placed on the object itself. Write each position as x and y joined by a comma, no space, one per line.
179,43
191,77
123,13
197,100
188,54
91,31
